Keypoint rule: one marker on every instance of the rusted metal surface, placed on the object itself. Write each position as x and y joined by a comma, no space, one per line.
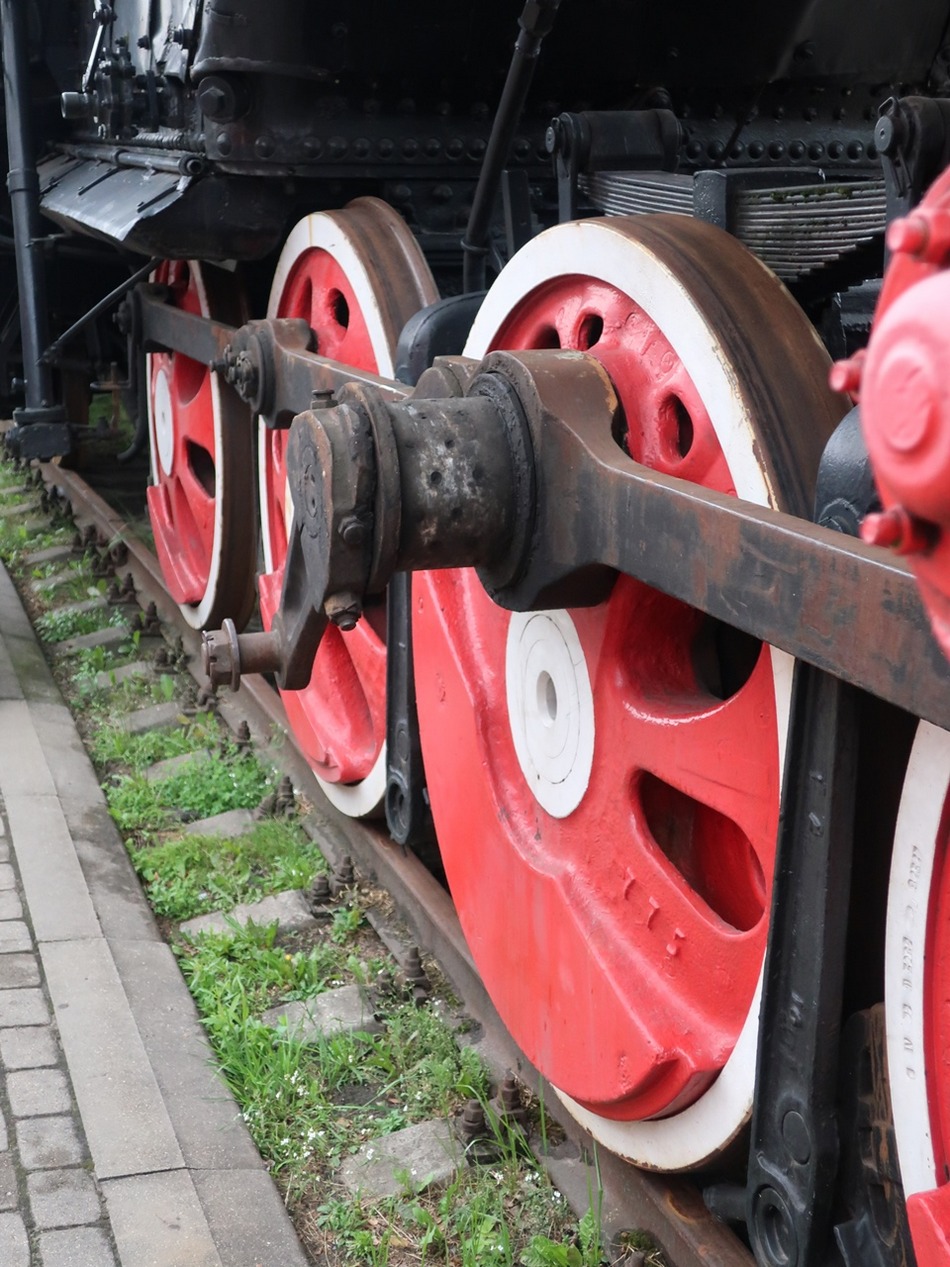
669,1208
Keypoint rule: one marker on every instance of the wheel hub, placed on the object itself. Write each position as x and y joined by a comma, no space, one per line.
550,708
163,420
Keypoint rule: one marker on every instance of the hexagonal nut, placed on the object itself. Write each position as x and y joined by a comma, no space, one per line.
343,609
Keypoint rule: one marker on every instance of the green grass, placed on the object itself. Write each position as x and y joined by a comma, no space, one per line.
309,1106
206,788
112,744
195,874
58,624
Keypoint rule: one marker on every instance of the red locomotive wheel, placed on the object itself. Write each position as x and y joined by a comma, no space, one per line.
202,449
917,992
356,276
605,782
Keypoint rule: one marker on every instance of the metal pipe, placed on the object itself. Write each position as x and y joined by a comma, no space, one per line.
24,186
536,21
121,156
52,352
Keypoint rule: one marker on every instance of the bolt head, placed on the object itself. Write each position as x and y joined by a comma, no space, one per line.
343,610
353,531
908,236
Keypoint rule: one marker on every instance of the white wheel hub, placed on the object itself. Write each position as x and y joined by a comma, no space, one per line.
163,420
550,708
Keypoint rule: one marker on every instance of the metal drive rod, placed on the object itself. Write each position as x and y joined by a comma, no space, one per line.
535,23
24,186
518,510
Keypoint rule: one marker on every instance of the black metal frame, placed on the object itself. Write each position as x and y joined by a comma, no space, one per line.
40,430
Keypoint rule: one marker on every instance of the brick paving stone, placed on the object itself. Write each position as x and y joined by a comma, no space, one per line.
44,584
48,1142
4,1137
28,1047
12,509
419,1155
111,636
14,1247
14,935
82,607
8,1193
233,822
36,1092
340,1011
7,878
52,554
288,909
155,717
76,1247
175,765
19,971
123,673
10,905
63,1198
23,1007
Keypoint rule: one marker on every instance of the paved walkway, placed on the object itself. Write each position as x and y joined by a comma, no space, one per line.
119,1147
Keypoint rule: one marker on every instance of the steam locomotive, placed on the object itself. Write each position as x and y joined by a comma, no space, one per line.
528,379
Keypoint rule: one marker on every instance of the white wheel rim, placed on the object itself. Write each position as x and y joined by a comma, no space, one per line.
905,950
597,250
323,231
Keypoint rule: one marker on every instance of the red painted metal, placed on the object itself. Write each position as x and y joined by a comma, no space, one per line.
929,1212
905,398
339,720
202,481
622,943
355,276
182,501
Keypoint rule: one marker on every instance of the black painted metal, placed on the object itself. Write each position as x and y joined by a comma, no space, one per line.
23,185
437,330
536,21
850,609
845,491
609,140
407,805
913,138
51,355
794,1148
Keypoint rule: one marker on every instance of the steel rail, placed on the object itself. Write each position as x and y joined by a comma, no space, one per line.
668,1208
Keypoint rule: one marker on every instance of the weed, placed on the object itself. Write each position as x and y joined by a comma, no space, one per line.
201,790
346,923
59,624
187,877
112,744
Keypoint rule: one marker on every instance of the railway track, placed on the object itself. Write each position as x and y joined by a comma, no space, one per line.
670,1209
